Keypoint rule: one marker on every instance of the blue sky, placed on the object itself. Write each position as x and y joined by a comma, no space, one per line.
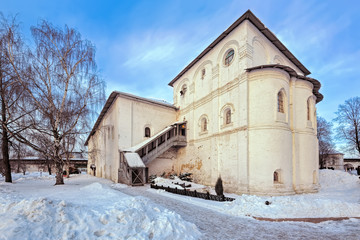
143,45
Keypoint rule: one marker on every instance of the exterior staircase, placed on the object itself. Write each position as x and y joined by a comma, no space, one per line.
136,158
172,136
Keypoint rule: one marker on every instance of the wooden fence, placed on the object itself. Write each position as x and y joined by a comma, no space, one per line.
194,193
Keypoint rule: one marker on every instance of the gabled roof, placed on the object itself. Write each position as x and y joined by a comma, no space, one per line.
248,15
111,100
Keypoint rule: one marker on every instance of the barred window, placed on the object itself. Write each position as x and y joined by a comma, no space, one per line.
280,102
228,116
203,124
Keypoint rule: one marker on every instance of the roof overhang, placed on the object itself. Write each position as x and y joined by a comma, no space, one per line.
248,15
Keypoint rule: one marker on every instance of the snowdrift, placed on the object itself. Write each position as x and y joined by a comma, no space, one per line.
97,211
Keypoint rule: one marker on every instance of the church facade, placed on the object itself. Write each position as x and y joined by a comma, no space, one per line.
244,109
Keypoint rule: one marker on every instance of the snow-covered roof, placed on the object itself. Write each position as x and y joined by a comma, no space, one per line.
134,160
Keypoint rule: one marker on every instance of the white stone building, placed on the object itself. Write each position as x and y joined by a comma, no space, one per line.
333,160
243,109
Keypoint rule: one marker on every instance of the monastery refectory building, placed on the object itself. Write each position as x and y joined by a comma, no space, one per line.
243,109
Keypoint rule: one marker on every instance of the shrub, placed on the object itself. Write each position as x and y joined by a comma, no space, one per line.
219,187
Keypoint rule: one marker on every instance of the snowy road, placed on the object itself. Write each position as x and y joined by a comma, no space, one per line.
216,225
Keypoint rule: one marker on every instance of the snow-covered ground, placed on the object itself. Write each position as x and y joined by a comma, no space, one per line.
84,208
339,196
89,208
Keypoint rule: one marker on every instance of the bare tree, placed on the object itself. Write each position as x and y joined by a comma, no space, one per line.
12,94
44,142
348,119
326,144
62,81
69,144
19,152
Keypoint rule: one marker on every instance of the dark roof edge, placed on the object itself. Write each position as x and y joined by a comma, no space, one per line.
292,73
110,101
132,96
248,15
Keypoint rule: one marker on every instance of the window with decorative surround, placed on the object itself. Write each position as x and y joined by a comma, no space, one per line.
229,56
227,116
183,90
204,126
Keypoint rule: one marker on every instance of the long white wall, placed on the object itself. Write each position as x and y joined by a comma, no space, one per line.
123,126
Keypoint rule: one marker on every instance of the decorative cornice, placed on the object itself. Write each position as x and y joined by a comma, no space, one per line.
246,51
218,92
222,133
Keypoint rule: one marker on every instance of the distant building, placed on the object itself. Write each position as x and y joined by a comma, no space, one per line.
351,163
39,164
334,160
338,162
243,109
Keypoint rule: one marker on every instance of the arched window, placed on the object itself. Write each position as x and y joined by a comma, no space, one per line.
228,116
229,56
147,132
308,109
183,90
203,71
203,124
280,102
277,176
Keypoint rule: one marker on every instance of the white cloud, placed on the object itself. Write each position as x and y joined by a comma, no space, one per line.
150,48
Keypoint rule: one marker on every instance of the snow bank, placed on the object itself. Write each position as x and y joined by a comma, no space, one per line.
27,176
291,207
46,219
333,179
339,197
86,212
